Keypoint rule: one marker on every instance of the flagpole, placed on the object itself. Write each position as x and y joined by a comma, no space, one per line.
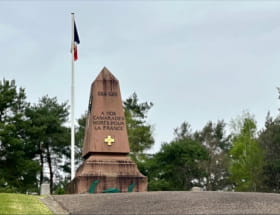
72,105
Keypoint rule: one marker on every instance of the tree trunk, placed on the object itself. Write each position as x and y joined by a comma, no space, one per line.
42,164
42,168
49,160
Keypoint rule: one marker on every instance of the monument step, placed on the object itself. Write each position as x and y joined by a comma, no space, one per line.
173,202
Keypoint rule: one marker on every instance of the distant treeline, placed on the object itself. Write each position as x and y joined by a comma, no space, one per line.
35,147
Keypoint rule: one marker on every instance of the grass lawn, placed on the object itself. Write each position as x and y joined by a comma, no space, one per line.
11,203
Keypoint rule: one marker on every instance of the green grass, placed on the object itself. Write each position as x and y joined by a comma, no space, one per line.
21,204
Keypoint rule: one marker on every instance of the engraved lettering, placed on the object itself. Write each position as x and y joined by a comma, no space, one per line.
104,93
108,121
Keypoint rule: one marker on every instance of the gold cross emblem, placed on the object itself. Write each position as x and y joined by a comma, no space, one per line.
109,140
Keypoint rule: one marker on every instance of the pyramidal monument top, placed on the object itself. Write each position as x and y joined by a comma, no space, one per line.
105,74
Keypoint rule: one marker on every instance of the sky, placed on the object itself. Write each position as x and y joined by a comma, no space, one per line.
197,61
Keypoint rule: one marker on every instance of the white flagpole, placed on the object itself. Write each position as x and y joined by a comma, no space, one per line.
72,106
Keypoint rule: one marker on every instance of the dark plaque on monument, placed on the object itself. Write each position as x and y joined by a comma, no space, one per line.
107,165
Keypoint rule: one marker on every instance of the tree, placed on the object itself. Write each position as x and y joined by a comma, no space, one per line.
216,142
246,166
18,169
49,136
178,164
269,140
183,132
79,138
139,131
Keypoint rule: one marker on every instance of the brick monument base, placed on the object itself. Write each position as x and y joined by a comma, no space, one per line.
111,172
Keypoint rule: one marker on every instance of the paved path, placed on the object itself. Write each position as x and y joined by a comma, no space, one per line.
53,205
171,203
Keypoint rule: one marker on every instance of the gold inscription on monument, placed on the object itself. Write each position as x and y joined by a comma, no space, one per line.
108,121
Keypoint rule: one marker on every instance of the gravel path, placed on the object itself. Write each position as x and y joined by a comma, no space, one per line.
171,203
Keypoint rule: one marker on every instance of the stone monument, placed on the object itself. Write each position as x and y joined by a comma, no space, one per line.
45,189
106,148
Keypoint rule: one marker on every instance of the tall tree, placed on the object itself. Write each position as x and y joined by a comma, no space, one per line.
269,139
49,135
246,167
79,138
184,131
18,169
213,137
178,164
139,131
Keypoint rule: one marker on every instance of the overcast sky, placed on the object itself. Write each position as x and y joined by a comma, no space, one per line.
195,60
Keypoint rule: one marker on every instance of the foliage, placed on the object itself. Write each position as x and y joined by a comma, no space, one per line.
49,136
22,204
270,141
213,137
176,166
246,167
79,138
139,132
18,169
32,136
60,187
183,132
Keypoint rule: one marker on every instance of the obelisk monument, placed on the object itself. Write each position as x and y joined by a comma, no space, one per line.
106,148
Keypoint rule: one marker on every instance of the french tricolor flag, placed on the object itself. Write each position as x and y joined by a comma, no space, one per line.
75,42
